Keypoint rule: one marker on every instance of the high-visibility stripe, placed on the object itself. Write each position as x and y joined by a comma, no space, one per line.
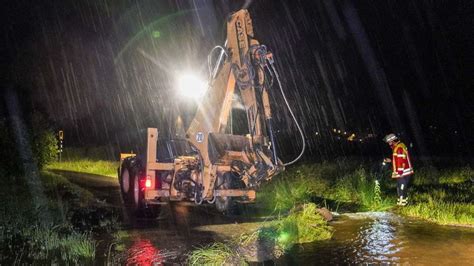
401,161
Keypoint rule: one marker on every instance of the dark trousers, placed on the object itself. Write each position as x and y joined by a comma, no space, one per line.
402,186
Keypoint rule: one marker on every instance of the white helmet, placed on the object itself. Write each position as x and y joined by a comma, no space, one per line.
390,137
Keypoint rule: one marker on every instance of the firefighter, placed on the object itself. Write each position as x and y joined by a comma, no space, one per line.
402,167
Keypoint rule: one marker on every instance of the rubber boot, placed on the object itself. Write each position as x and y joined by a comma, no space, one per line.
399,201
403,202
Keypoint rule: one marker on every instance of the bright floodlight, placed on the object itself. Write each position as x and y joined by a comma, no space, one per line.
191,86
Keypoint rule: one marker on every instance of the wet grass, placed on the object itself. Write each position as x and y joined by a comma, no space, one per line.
433,176
57,186
303,224
25,240
215,254
446,213
443,197
68,238
93,160
345,185
97,167
55,244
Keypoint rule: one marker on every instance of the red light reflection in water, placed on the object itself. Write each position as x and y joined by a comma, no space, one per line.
143,252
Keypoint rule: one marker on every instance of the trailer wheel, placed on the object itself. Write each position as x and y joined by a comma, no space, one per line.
137,205
124,179
135,193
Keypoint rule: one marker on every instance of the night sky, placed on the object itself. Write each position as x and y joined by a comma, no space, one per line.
103,70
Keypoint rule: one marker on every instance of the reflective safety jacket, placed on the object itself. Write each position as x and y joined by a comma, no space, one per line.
401,161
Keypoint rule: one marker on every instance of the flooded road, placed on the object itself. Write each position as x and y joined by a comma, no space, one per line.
180,227
359,238
381,237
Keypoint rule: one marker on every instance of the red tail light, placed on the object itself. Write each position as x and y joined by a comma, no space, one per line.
145,182
148,182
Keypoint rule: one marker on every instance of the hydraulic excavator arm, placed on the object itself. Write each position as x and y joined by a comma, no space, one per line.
243,68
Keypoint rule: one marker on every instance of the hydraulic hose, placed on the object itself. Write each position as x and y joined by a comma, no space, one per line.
292,115
213,71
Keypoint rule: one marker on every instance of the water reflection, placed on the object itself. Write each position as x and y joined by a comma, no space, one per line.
377,240
143,252
386,238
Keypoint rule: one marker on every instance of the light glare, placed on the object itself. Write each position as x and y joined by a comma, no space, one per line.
191,86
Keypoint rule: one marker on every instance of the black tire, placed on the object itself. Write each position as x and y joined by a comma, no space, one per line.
135,194
137,206
132,194
124,180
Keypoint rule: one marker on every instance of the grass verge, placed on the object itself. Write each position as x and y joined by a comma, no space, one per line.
329,184
67,239
97,167
443,197
445,213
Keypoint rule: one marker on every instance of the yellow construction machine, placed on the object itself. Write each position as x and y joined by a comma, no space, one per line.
208,165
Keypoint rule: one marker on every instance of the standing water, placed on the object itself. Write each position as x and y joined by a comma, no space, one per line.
380,237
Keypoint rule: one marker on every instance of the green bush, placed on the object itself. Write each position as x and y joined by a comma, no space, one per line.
45,148
43,140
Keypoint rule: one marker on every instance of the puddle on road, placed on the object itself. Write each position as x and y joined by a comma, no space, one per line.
170,238
380,237
144,252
